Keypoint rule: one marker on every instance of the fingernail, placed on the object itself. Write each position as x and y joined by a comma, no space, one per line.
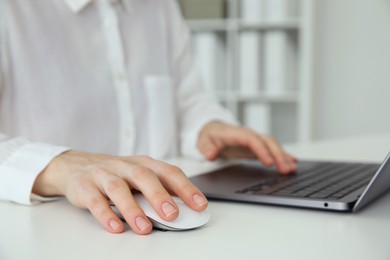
168,209
114,224
293,166
199,200
142,223
287,166
210,153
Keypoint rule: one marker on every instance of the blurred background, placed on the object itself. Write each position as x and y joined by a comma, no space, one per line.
299,70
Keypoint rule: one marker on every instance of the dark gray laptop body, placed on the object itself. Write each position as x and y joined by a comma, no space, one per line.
336,186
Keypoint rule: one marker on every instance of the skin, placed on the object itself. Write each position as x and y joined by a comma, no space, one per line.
222,140
90,181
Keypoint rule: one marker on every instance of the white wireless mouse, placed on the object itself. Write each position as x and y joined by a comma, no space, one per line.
187,219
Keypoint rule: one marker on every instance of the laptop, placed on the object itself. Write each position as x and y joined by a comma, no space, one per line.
325,185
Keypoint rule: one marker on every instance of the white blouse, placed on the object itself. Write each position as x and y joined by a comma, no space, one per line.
115,77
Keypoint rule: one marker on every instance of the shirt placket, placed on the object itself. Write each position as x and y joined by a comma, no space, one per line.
116,59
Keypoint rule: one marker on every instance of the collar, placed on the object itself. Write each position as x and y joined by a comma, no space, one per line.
78,5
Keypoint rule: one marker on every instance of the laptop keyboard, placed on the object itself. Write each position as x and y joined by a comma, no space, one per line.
328,181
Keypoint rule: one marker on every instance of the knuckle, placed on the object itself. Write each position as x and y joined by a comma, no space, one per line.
96,169
173,172
161,193
171,169
177,170
114,184
82,185
93,203
140,172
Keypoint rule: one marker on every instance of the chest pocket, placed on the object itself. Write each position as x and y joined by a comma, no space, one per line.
162,119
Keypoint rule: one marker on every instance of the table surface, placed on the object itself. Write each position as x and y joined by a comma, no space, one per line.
57,230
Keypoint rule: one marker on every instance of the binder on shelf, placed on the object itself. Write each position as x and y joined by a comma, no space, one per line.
257,116
284,122
276,47
250,48
252,10
250,63
279,10
209,53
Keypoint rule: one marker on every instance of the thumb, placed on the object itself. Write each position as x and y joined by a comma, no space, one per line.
208,149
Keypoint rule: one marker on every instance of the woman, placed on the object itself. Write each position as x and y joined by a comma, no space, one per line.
87,86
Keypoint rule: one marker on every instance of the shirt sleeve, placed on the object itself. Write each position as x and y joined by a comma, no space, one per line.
195,105
21,161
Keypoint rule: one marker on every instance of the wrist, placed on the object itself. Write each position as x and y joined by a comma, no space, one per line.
212,125
49,182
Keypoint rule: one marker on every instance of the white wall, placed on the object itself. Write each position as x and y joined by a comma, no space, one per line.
352,68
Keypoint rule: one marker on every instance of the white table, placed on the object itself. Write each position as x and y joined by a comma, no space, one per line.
57,230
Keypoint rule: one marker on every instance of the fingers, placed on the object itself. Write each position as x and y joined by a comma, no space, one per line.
116,184
145,180
283,161
91,180
269,152
119,192
208,144
237,153
209,148
179,184
153,181
218,139
172,179
98,205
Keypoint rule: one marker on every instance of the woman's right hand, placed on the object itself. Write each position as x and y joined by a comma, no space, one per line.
91,180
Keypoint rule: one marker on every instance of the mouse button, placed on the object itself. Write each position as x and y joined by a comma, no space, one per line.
147,208
153,216
187,219
191,218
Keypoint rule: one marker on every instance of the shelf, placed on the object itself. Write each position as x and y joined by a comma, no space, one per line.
233,40
287,24
212,25
238,24
263,97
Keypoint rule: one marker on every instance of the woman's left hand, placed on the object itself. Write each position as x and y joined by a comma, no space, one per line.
218,139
